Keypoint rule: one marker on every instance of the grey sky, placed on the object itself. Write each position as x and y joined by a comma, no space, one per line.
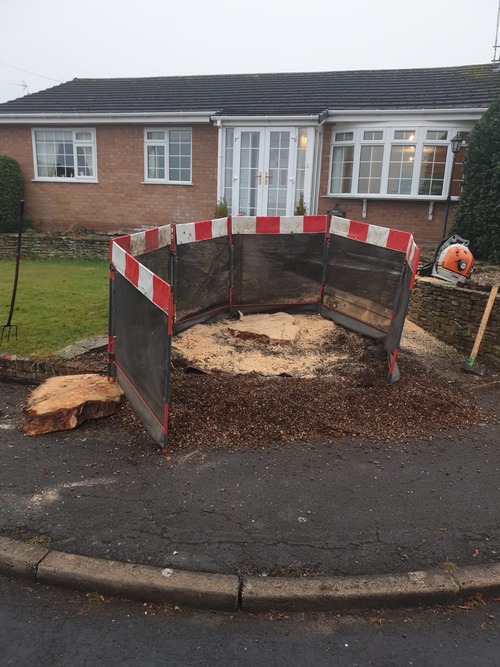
64,39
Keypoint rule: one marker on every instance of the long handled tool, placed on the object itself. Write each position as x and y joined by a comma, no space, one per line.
7,328
469,366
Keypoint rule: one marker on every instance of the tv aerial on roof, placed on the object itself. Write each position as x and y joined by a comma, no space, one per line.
496,46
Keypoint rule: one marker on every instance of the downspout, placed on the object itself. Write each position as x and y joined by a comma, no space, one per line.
220,160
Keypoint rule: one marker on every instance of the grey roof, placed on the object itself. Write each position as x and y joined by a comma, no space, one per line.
472,86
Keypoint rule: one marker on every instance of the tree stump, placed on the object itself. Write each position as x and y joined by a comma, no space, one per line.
276,329
62,403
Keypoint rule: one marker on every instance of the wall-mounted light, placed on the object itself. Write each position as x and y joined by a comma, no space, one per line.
456,143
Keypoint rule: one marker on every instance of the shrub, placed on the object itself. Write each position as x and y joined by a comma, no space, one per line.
477,215
221,210
11,193
301,208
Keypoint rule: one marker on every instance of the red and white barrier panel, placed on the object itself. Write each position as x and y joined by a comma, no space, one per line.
307,224
393,239
149,284
147,241
190,232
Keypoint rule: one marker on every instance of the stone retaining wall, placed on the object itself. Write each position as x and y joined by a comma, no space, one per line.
453,315
41,246
33,371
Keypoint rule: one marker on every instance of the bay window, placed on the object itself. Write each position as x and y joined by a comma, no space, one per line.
401,170
342,163
411,162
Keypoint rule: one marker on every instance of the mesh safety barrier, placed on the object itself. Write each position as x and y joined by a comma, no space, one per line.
362,281
168,279
202,271
278,262
141,354
140,330
158,262
393,338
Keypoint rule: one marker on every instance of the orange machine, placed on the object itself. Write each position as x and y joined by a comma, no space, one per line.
453,261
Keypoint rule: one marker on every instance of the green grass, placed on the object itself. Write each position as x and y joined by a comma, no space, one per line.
58,302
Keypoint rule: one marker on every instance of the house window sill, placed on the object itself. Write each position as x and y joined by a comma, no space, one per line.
63,180
166,183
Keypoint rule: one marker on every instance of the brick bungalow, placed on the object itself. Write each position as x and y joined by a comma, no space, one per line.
123,154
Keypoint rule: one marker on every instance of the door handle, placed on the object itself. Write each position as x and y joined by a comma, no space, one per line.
259,177
268,179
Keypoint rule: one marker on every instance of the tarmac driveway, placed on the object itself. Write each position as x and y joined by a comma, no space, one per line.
352,507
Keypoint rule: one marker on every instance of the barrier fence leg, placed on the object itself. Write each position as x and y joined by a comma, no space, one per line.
326,254
111,368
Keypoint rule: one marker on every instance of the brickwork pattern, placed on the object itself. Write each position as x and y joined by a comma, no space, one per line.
120,201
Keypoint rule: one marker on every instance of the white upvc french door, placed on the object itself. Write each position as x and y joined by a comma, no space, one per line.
264,168
265,165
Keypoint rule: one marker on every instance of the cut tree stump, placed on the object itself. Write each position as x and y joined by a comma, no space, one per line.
62,403
276,329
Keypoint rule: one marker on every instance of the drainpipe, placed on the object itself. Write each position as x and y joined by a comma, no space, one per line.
220,161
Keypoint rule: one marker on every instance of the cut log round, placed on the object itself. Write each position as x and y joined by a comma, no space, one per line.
64,402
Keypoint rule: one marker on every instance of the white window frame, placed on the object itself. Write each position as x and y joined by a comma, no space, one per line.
77,178
166,145
419,141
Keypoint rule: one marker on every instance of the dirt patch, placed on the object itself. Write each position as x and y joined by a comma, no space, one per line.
483,278
346,396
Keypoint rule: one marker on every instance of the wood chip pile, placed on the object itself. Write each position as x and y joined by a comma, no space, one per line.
344,392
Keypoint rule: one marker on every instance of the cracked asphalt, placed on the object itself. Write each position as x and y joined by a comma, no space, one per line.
351,507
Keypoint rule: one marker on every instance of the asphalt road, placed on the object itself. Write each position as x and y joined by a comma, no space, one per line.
42,626
349,508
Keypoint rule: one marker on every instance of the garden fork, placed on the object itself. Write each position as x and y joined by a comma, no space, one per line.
8,328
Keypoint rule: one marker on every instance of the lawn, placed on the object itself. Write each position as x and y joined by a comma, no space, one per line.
58,302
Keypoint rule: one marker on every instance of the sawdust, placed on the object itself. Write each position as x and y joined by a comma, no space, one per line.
213,347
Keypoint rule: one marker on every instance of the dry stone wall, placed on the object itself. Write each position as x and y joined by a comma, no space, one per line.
41,246
453,314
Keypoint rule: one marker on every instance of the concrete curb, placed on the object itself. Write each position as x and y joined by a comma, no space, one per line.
222,592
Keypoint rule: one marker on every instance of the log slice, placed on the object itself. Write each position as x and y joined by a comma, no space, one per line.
62,403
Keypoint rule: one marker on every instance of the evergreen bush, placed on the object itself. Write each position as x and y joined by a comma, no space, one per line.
477,215
11,193
301,208
221,209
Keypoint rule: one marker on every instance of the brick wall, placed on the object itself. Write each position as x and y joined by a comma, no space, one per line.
120,201
453,315
410,216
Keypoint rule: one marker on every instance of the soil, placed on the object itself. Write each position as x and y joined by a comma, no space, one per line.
483,278
347,396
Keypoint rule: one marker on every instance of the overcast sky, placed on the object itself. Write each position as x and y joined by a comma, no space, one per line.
64,39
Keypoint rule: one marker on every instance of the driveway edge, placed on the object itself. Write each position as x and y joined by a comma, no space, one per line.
223,592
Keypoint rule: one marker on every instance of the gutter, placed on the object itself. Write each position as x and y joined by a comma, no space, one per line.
304,119
217,118
102,118
468,113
